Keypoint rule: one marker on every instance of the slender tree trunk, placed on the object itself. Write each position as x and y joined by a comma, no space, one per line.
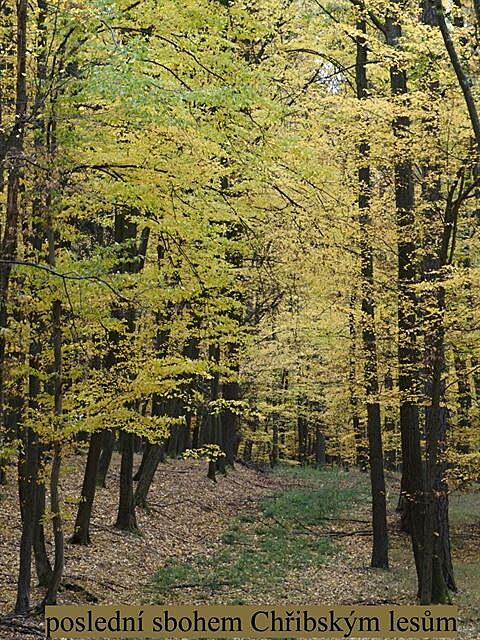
57,524
196,432
464,398
320,458
230,420
211,422
12,148
28,468
146,449
357,427
42,562
302,427
58,537
374,428
155,455
126,518
108,442
437,570
247,450
274,456
391,461
412,467
81,534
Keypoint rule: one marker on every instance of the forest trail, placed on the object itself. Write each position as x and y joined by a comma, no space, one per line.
293,536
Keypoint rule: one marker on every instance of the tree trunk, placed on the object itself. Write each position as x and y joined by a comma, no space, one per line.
108,441
211,428
230,421
412,468
437,570
13,147
126,518
57,524
320,458
357,427
464,399
42,562
27,479
302,439
274,456
155,455
374,428
391,461
58,537
81,534
146,448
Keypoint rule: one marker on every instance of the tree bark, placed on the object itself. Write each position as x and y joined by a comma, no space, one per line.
302,427
28,467
81,534
42,562
126,518
230,421
374,428
437,569
155,455
146,449
391,461
58,537
320,458
412,467
357,427
108,442
12,148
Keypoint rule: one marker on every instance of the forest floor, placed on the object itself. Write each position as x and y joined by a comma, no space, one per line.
293,536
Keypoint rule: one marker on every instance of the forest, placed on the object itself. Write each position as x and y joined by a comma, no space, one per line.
239,274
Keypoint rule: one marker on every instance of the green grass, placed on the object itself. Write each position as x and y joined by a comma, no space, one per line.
465,507
259,547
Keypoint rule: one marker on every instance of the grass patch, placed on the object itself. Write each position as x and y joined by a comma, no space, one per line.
465,507
308,506
260,547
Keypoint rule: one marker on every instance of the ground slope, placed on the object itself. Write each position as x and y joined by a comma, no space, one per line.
297,536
